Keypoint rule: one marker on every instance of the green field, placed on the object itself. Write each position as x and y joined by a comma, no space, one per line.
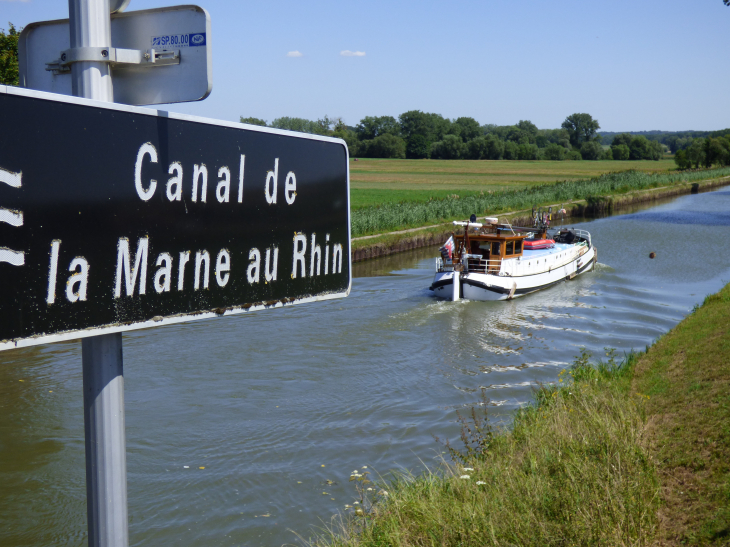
376,181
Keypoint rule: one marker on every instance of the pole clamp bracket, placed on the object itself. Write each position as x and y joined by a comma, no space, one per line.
119,58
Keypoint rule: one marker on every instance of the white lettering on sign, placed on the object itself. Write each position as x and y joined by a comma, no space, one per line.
77,283
200,172
252,273
300,249
202,257
240,179
174,184
145,150
290,188
53,271
326,253
271,264
272,178
199,183
164,273
337,258
184,258
315,256
222,267
316,252
123,267
223,189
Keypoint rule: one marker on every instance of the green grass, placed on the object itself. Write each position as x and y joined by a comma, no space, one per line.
687,376
483,175
379,181
396,216
636,453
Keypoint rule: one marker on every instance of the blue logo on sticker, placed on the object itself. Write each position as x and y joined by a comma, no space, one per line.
197,39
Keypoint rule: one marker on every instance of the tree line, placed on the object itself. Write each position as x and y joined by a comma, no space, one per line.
673,140
704,153
417,135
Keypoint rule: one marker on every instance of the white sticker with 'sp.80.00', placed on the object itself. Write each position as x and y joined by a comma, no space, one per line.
193,39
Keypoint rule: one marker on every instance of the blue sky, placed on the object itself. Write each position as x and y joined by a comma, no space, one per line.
633,65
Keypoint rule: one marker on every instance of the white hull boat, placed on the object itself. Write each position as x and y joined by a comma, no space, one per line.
501,262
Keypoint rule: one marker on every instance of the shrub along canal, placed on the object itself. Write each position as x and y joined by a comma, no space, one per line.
244,428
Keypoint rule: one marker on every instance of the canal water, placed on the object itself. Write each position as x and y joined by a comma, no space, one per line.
244,430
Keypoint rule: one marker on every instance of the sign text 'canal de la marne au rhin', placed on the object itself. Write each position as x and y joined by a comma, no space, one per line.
114,218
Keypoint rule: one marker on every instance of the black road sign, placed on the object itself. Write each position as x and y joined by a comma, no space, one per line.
114,218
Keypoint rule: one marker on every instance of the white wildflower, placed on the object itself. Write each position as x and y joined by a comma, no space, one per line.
465,477
468,469
481,482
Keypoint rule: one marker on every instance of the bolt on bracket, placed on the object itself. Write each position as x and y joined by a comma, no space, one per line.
119,58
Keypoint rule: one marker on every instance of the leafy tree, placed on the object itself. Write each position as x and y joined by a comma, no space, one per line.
254,121
476,149
696,153
638,148
374,126
301,125
432,127
620,152
622,138
581,128
573,155
495,148
656,151
527,151
384,146
450,148
717,150
466,128
417,147
554,151
528,130
9,74
606,154
591,150
681,159
511,150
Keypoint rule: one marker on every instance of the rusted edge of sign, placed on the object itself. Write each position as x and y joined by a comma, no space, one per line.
160,321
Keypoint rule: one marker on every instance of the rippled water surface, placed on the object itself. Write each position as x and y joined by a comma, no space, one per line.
275,404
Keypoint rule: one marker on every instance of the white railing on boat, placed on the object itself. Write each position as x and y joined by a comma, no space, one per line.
585,235
472,263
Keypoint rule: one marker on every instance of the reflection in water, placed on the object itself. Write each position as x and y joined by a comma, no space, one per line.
264,401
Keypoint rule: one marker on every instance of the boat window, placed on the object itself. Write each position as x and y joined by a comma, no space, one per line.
518,247
510,248
495,248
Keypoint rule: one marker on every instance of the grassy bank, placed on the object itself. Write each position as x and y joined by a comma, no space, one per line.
635,453
395,216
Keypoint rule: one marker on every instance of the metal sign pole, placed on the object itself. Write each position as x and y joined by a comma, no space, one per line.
106,460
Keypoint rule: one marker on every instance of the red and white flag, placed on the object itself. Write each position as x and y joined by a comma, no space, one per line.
449,246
